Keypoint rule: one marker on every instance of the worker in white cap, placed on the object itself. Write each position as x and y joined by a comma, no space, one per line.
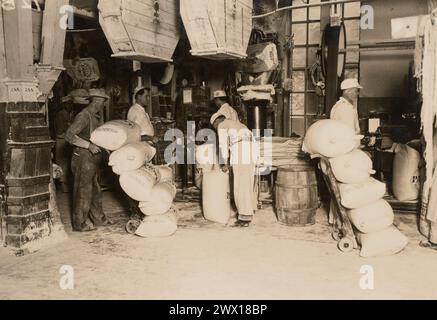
237,149
345,110
85,164
137,113
222,102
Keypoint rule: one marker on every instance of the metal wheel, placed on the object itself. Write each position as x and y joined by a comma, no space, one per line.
336,235
132,226
346,245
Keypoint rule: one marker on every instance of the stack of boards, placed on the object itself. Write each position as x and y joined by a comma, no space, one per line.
278,152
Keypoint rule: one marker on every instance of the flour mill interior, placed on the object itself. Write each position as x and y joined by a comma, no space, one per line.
206,145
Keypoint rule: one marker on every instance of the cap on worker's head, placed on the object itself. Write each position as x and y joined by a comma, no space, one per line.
350,84
80,96
66,99
138,89
100,93
219,94
215,116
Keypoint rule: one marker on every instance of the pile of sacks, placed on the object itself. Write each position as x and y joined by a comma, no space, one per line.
152,186
360,194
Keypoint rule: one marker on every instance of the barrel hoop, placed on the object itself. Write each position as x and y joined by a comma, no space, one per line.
302,186
285,209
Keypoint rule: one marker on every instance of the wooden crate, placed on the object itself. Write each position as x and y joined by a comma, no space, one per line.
138,30
218,29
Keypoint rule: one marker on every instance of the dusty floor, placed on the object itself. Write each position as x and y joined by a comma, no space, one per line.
207,261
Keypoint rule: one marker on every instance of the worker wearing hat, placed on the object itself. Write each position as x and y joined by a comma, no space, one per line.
87,203
239,151
137,113
222,102
62,121
345,109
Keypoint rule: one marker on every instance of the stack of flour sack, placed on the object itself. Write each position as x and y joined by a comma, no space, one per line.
360,194
152,186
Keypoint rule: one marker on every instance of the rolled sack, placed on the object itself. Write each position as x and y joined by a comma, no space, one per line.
330,138
115,134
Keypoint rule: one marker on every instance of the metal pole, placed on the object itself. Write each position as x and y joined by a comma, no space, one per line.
301,6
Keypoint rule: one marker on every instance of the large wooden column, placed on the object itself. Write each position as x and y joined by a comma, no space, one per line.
25,142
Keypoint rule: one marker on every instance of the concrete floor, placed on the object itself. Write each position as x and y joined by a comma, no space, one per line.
206,261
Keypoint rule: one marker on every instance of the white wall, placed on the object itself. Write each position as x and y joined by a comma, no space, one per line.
383,73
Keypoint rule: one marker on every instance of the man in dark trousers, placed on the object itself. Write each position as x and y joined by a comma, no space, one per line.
87,203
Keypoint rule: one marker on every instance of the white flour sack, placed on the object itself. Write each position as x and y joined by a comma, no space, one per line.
330,138
372,218
406,173
115,134
158,226
383,243
359,195
131,157
138,184
160,201
165,173
353,167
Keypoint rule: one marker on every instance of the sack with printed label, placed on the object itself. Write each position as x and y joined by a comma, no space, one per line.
131,157
330,138
406,173
138,184
115,134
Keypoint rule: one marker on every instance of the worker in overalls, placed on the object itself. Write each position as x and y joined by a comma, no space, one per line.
238,150
63,119
222,102
85,164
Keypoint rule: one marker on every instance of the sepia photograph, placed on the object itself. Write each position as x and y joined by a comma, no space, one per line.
218,155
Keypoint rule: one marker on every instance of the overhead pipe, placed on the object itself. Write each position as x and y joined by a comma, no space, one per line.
302,6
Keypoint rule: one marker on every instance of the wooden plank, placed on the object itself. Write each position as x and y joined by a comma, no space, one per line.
138,21
18,43
53,36
167,13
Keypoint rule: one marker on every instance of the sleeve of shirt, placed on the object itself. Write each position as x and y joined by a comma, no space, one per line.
223,145
345,115
71,136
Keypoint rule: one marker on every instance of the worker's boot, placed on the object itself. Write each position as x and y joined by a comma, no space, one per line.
241,224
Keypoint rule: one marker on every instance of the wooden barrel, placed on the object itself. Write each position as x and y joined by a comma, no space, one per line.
296,195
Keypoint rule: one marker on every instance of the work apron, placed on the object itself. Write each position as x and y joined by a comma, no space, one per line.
243,169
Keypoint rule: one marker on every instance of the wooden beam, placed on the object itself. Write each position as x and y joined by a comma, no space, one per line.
18,43
53,36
